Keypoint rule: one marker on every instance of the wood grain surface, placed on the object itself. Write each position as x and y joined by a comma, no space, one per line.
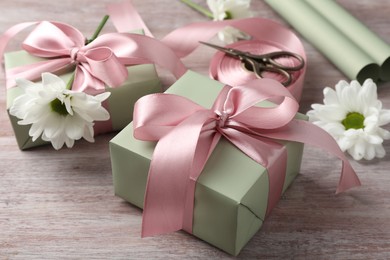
61,204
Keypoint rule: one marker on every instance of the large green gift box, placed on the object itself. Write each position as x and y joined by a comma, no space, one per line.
142,80
232,191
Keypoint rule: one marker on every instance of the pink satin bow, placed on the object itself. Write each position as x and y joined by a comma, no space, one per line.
102,62
187,134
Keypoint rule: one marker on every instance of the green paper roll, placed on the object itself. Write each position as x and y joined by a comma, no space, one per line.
357,32
337,47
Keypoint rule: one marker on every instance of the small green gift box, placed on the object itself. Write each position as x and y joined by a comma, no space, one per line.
142,80
232,191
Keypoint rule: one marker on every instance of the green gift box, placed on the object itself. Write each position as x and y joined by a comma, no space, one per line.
232,191
142,80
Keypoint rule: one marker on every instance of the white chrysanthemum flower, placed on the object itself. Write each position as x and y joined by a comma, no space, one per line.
353,115
58,114
230,9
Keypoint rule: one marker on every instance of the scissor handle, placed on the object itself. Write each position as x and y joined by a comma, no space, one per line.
271,57
260,68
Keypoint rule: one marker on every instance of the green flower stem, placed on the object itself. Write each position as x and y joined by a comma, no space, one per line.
99,29
70,82
198,8
94,36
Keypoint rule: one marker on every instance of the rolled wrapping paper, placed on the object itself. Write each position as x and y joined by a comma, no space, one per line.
225,68
357,32
336,46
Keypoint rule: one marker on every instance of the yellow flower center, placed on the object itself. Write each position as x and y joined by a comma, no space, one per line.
353,120
58,107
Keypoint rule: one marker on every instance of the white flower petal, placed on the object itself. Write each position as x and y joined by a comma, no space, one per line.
57,142
55,82
349,98
69,142
383,133
380,151
330,96
368,94
340,86
369,153
384,117
100,114
35,131
68,106
103,96
374,139
371,123
88,133
74,128
54,126
21,106
353,133
345,143
25,84
358,150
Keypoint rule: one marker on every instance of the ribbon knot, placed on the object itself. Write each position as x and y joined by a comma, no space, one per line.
73,53
222,117
187,136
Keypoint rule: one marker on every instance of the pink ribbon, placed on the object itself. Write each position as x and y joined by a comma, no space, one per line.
99,63
187,134
266,35
102,62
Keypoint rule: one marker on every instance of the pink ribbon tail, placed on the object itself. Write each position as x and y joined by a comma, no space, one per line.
305,132
126,18
10,33
173,156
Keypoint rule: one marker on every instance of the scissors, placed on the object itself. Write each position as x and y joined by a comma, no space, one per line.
259,63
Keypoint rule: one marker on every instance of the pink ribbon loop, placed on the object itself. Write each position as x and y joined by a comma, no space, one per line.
100,63
106,66
53,39
96,66
187,134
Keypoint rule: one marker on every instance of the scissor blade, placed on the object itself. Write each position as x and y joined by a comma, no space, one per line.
220,48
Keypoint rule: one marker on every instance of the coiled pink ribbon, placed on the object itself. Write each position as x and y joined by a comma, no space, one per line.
266,36
187,134
102,62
